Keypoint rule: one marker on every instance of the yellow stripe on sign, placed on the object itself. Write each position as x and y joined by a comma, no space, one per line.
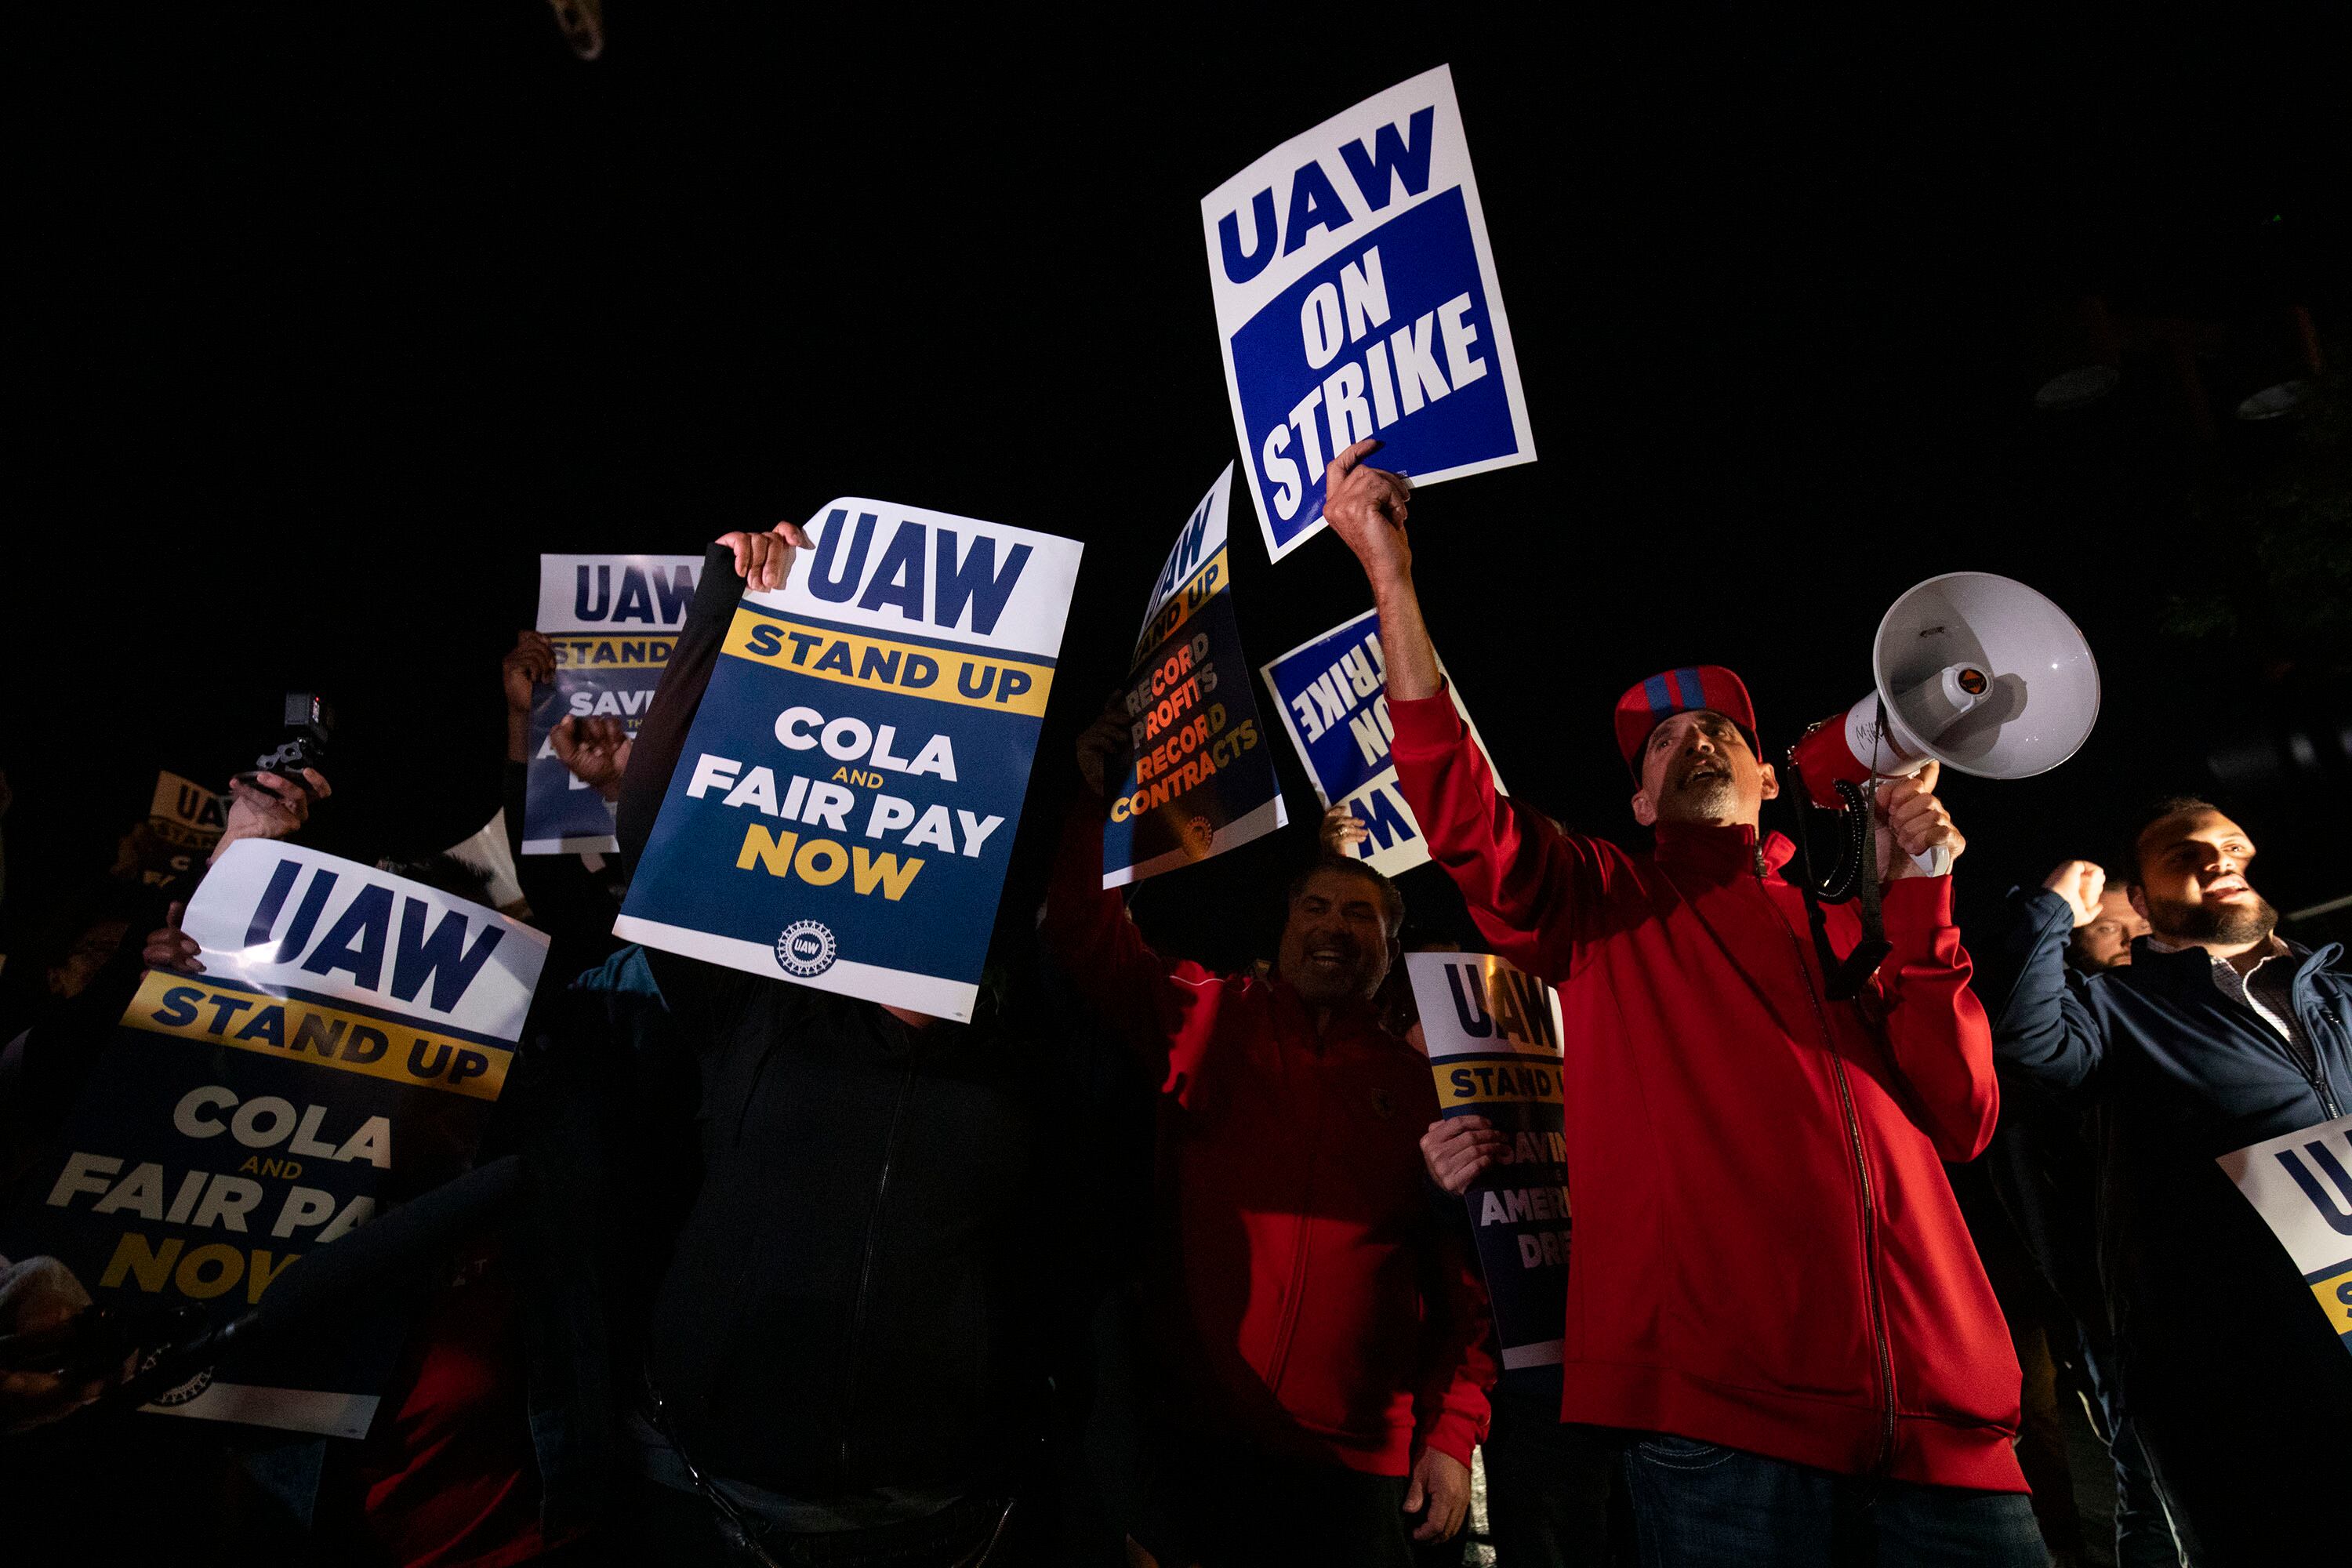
576,650
851,658
1182,604
1495,1083
294,1030
2334,1294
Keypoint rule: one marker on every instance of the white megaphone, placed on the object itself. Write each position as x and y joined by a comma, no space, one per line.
1978,673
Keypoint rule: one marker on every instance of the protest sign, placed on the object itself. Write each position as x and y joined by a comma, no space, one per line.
1333,695
844,809
614,620
1494,1038
1356,296
184,821
1199,779
339,1053
2301,1186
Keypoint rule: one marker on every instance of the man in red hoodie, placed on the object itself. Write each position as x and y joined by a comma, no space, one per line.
1772,1292
1319,1334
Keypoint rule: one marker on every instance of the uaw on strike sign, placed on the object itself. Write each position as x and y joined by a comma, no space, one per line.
2301,1186
1356,296
844,809
340,1052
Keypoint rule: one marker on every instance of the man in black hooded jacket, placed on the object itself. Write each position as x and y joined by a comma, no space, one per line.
836,1358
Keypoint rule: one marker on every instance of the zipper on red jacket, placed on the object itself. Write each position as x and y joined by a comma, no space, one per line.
1279,1360
1869,1199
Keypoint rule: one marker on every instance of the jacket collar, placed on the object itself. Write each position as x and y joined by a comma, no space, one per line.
2179,967
1719,854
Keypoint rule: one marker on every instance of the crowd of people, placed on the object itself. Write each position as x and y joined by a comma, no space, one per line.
1150,1263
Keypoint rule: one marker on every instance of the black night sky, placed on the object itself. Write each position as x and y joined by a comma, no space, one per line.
326,325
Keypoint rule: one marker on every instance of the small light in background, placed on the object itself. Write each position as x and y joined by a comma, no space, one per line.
582,22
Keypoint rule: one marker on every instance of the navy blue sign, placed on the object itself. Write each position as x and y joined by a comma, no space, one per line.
1493,1033
1332,694
845,807
1356,296
1198,778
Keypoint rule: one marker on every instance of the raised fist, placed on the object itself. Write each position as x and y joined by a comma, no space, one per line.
530,664
596,751
2080,883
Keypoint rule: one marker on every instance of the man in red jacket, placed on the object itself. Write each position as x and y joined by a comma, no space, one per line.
1772,1289
1320,1335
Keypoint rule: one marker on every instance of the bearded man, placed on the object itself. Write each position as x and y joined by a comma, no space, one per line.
2217,1035
1317,1334
1773,1299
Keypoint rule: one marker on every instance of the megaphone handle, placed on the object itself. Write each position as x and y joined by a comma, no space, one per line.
1935,862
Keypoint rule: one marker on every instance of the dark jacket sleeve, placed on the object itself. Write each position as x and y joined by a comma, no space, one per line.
689,986
1165,1011
661,739
568,901
2043,1025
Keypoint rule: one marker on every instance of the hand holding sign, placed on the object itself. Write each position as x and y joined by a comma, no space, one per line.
530,664
1454,1151
764,560
271,806
1366,507
169,947
1100,742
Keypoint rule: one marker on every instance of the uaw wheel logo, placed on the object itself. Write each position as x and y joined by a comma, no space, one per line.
805,947
184,1392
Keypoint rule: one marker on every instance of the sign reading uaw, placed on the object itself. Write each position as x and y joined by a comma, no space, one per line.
1356,296
843,811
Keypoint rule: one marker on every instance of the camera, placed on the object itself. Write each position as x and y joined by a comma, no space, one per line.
310,725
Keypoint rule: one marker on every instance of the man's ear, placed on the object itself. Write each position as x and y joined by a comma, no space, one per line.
1771,781
2139,903
1645,810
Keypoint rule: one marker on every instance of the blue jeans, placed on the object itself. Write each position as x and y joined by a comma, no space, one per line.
1700,1505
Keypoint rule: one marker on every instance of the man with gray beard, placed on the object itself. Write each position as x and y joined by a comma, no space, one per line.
2217,1035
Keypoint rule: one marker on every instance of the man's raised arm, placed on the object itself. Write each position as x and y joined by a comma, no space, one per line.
2041,1026
1522,879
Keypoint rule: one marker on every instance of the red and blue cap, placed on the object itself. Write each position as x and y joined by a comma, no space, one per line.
1651,702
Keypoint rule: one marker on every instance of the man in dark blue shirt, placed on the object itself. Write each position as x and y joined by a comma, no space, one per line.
2218,1035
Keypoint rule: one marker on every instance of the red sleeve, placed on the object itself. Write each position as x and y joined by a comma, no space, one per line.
1449,1402
1527,883
1935,1028
1164,1010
